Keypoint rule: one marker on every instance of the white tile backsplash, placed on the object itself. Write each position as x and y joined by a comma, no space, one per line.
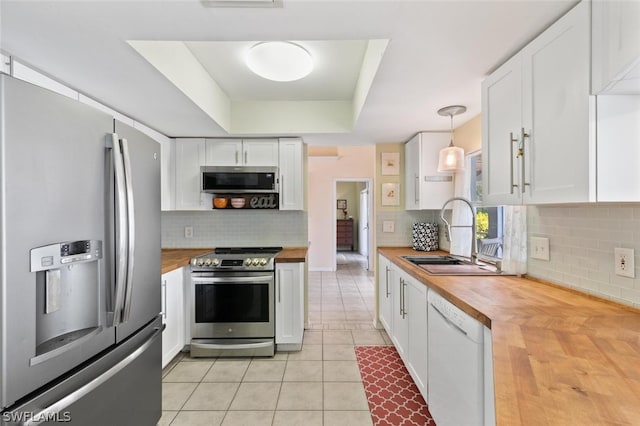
235,228
581,243
404,220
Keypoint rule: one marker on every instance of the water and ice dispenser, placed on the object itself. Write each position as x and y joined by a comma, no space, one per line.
68,294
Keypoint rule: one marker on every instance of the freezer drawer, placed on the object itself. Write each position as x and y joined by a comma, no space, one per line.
122,387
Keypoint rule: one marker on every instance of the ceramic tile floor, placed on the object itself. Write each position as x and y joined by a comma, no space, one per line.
320,385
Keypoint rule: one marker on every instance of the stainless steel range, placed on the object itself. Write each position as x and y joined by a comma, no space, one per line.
232,302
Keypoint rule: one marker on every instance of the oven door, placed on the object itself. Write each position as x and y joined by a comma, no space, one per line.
232,305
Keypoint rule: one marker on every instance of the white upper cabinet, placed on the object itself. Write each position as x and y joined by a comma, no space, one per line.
616,47
555,110
260,152
190,156
168,176
245,152
425,188
223,152
501,128
536,111
292,180
618,135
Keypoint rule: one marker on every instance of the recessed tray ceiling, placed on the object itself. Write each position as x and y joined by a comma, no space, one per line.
214,76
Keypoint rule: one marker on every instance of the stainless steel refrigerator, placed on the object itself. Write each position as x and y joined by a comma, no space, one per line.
80,331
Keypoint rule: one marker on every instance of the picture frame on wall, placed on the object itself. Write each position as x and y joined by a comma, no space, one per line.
341,204
390,194
390,164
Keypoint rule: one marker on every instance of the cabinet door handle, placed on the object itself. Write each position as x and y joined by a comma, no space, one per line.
279,282
416,190
404,301
400,295
164,293
246,157
236,156
523,135
386,279
281,191
512,140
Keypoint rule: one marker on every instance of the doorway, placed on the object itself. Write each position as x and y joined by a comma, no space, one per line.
352,222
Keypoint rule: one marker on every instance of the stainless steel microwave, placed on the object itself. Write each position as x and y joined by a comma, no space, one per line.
232,179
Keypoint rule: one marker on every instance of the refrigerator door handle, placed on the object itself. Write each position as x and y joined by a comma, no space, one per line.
121,229
131,227
79,393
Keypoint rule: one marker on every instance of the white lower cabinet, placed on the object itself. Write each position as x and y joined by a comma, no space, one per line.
289,306
400,329
405,303
416,312
385,299
173,315
447,352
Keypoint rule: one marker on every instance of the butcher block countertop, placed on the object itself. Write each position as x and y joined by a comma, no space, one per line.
177,258
560,357
292,255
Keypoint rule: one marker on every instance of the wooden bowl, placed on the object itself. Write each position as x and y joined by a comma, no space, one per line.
220,203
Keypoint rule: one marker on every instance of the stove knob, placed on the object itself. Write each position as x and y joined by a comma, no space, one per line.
215,261
200,262
247,261
207,262
256,261
263,261
194,261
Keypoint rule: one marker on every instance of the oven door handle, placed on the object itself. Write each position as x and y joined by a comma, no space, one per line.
257,345
243,279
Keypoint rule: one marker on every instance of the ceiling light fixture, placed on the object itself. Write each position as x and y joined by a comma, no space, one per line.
451,158
279,60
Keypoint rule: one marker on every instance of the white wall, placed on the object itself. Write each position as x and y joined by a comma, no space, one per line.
353,162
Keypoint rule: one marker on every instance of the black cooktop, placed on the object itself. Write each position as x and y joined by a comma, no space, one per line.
246,250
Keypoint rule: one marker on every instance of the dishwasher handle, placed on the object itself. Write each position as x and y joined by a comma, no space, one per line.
449,321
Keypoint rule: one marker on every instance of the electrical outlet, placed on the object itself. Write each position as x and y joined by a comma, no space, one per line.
188,231
539,248
624,263
388,226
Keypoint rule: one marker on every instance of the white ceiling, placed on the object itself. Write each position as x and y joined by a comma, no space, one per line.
224,61
438,54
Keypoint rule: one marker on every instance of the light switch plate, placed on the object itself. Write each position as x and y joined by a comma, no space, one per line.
539,248
624,263
388,226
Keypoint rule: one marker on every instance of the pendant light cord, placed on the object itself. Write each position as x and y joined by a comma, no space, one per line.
451,142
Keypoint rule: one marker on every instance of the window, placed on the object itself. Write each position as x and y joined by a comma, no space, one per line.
489,220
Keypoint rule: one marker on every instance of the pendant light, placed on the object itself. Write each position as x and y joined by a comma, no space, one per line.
451,158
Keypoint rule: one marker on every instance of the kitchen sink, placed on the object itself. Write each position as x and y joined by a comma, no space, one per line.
449,265
435,260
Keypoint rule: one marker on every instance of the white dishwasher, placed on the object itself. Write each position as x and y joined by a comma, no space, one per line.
456,366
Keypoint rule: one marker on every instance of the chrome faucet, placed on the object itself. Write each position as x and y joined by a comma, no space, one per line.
474,249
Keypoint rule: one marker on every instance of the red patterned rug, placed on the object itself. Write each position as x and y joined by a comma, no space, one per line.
393,397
